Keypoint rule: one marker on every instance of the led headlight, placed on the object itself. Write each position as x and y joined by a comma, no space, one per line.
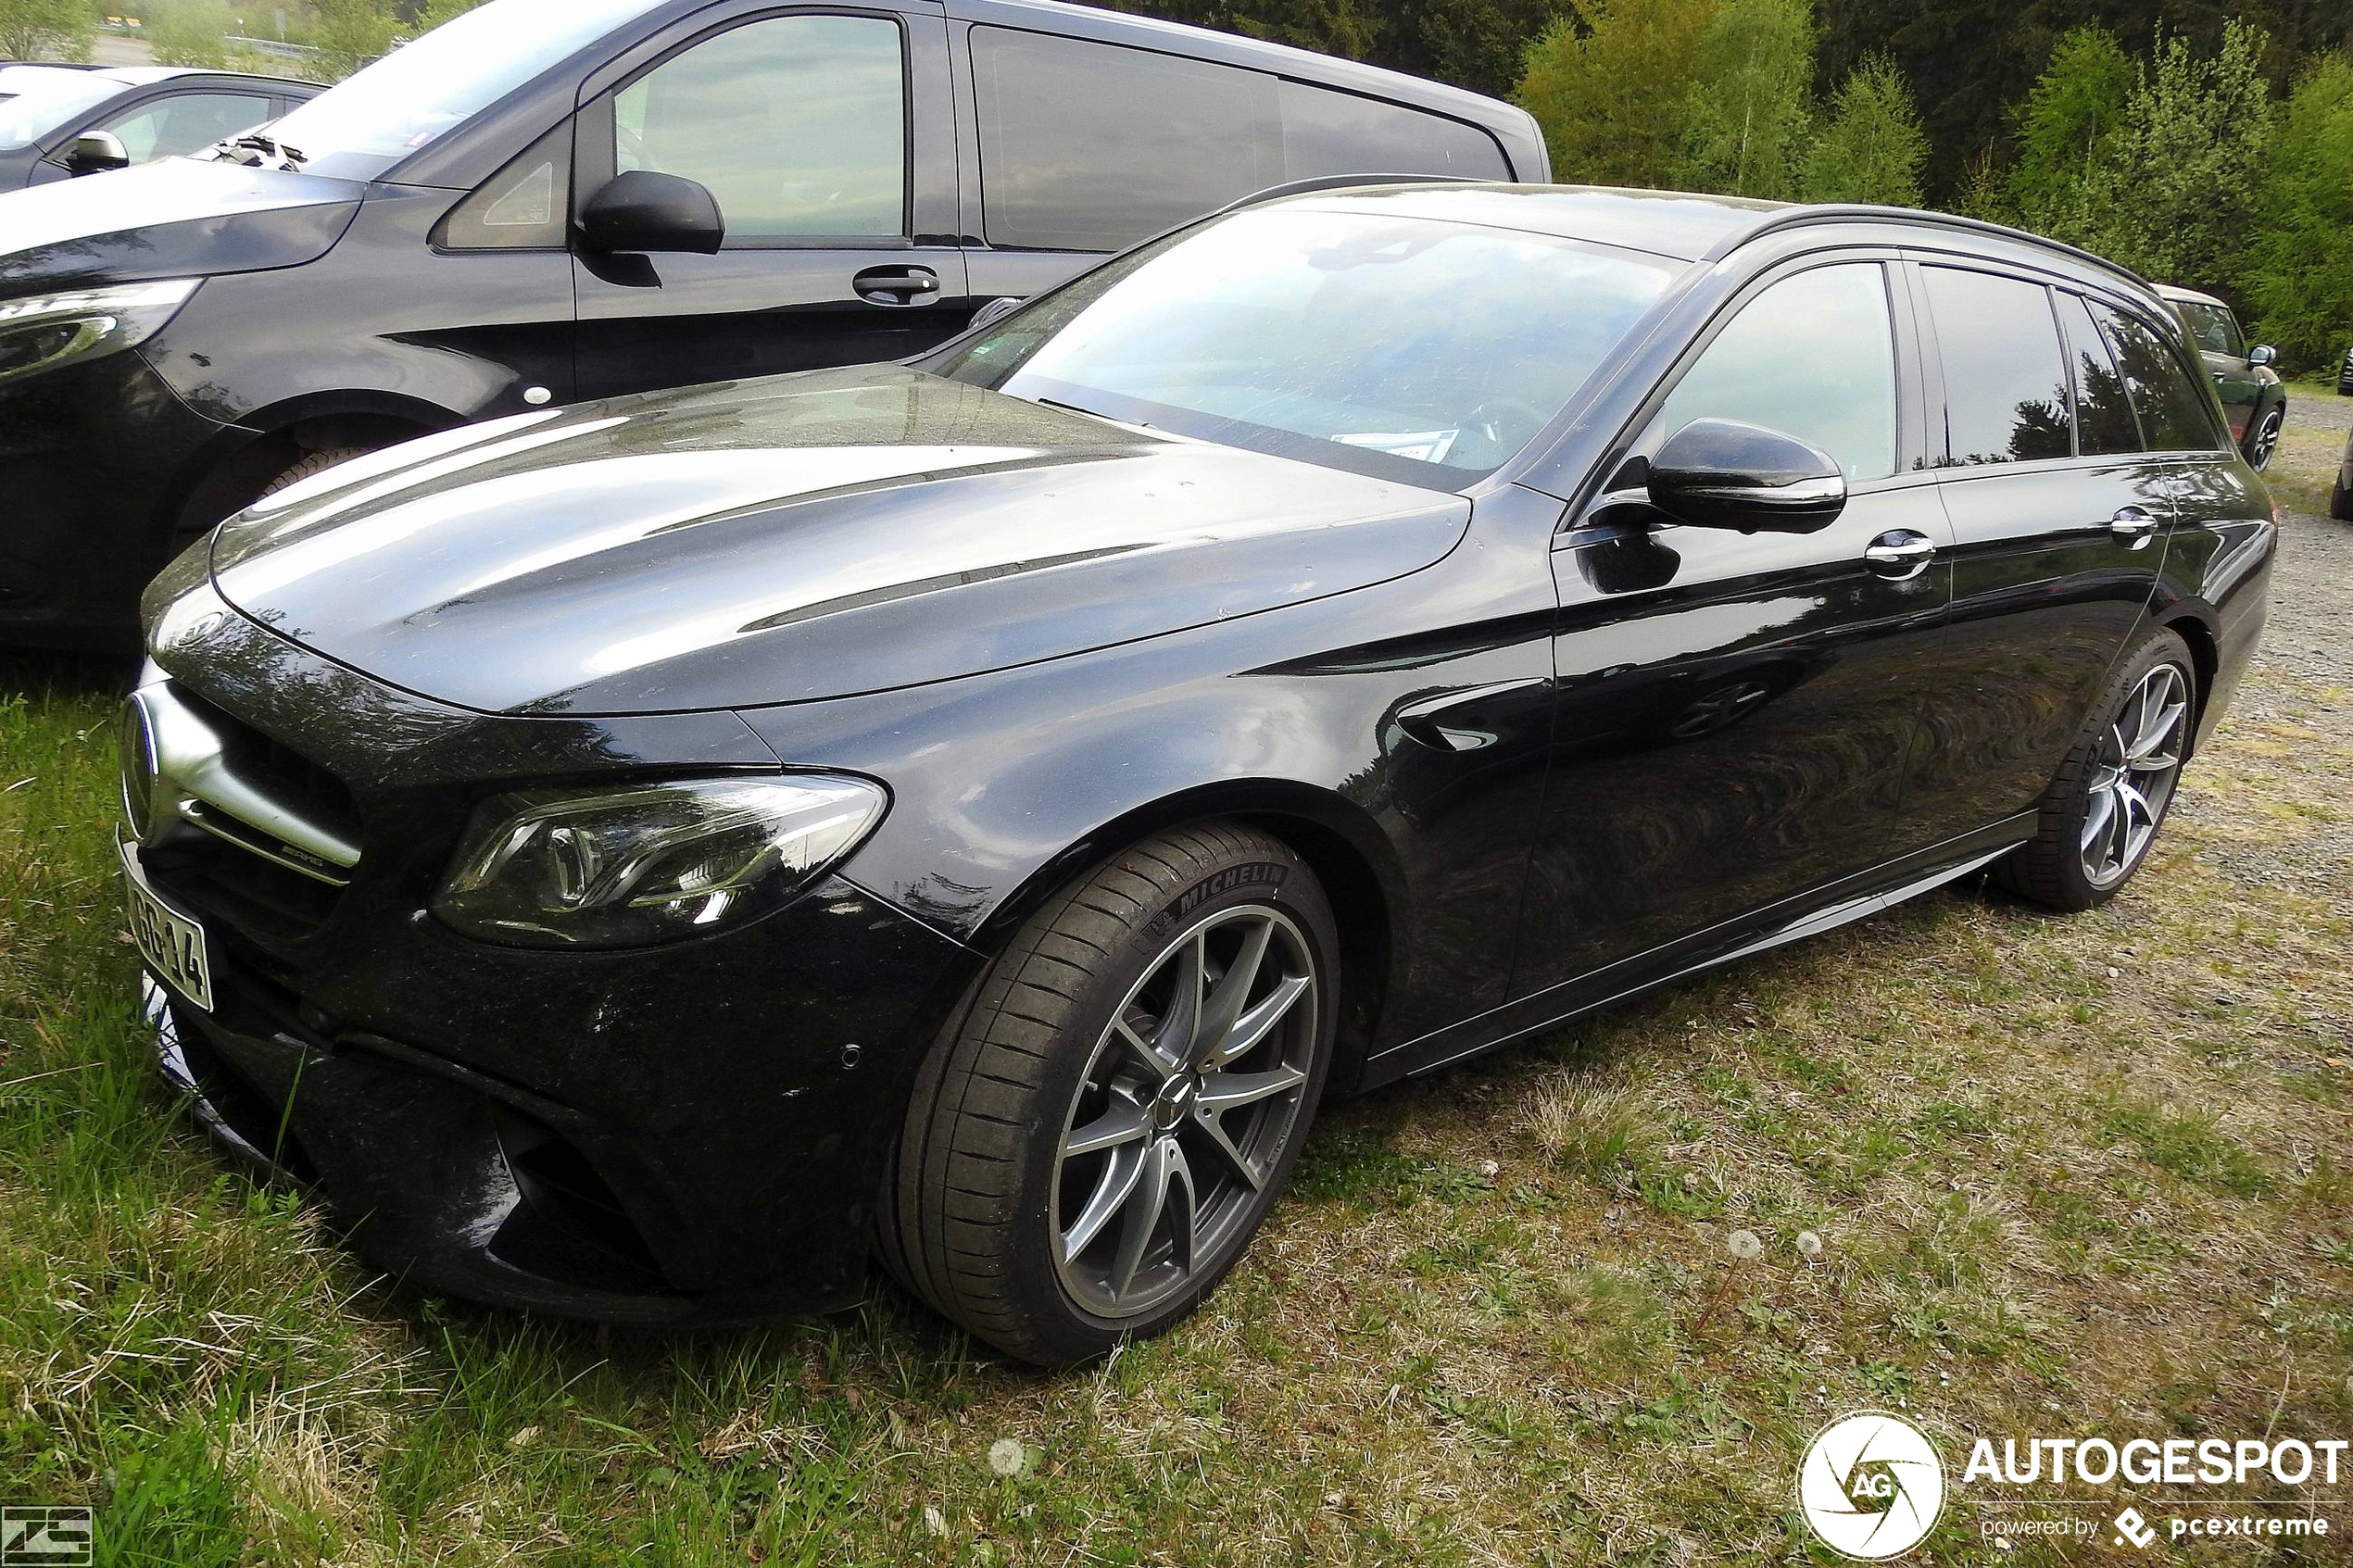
625,867
46,330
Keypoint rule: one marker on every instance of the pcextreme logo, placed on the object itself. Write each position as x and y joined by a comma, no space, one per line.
1870,1485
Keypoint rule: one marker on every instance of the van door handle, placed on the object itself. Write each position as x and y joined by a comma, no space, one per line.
2135,523
1900,553
897,285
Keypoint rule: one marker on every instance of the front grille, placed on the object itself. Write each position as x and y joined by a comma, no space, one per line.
239,827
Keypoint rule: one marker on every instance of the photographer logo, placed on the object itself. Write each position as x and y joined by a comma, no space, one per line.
44,1537
1870,1485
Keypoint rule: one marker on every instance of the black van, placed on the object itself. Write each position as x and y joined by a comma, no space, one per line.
547,200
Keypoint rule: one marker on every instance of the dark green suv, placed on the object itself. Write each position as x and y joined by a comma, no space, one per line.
2251,390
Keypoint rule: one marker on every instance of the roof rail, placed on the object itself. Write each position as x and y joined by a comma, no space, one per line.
1849,212
1337,183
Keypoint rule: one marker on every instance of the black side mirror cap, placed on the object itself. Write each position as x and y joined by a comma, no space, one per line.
641,211
2261,354
1726,473
96,152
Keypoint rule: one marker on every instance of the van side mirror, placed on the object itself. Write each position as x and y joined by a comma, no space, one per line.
96,152
641,211
1725,474
2261,354
996,310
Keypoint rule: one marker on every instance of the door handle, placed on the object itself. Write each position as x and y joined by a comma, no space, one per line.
897,285
1900,553
2133,523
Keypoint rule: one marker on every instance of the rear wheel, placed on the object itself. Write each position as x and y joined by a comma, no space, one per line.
2102,812
1096,1137
2341,501
2266,439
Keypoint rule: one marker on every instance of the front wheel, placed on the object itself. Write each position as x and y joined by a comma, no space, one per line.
1097,1135
2103,810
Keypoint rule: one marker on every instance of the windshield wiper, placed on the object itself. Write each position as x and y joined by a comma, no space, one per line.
268,152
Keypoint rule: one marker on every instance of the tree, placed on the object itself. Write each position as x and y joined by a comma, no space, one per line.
1745,117
348,36
59,30
1610,85
1872,148
2077,104
2300,279
189,32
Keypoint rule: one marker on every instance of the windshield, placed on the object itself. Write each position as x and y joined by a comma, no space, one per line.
1423,350
33,103
362,127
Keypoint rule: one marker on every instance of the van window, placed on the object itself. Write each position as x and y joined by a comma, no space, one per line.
2213,328
2005,396
2104,422
1094,146
2175,416
1812,357
796,124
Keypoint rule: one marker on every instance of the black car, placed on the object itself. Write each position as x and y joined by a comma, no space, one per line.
640,860
549,200
57,122
2254,398
2345,375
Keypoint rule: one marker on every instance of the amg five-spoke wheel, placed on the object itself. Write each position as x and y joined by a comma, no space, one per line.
2139,759
1190,1098
2102,811
1100,1128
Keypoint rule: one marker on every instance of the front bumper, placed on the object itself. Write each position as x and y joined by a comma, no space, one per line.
93,458
692,1132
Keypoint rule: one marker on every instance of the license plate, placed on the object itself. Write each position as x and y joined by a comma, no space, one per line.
171,943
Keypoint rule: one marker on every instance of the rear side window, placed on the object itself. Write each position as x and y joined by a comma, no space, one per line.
2175,413
796,124
1094,146
2104,422
2005,396
1813,356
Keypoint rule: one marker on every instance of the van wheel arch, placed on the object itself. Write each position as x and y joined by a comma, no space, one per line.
230,481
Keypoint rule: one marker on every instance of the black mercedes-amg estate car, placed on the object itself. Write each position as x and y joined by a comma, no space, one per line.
645,859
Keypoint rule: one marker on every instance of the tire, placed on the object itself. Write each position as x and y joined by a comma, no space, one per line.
989,1174
312,463
2055,868
2264,441
2341,501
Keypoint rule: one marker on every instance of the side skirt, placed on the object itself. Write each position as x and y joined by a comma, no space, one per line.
1825,910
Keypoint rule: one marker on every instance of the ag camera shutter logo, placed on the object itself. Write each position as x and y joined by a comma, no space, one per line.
1870,1485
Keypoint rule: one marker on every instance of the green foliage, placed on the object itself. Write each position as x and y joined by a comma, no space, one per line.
1873,147
54,29
190,32
2300,279
1745,117
2077,104
439,11
1612,93
349,34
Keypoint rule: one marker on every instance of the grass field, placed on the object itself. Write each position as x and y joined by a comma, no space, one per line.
2080,1175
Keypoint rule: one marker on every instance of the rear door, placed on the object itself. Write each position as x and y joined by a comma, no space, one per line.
2057,513
827,136
1082,147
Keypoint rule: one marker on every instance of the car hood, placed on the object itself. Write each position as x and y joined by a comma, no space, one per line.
174,219
791,539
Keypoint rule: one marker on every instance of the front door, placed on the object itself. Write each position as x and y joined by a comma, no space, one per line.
827,139
2058,513
1734,711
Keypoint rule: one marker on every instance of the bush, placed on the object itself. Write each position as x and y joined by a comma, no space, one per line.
59,30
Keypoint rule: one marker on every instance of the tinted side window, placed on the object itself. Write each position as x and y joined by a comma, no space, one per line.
189,123
2004,382
2213,328
2104,421
1091,146
1328,133
798,125
1813,356
2175,414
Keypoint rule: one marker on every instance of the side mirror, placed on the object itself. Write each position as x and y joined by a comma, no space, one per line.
642,212
996,310
2261,354
96,152
1723,473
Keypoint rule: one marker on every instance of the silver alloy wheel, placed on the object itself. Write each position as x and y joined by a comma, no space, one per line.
1190,1097
2133,775
2267,436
